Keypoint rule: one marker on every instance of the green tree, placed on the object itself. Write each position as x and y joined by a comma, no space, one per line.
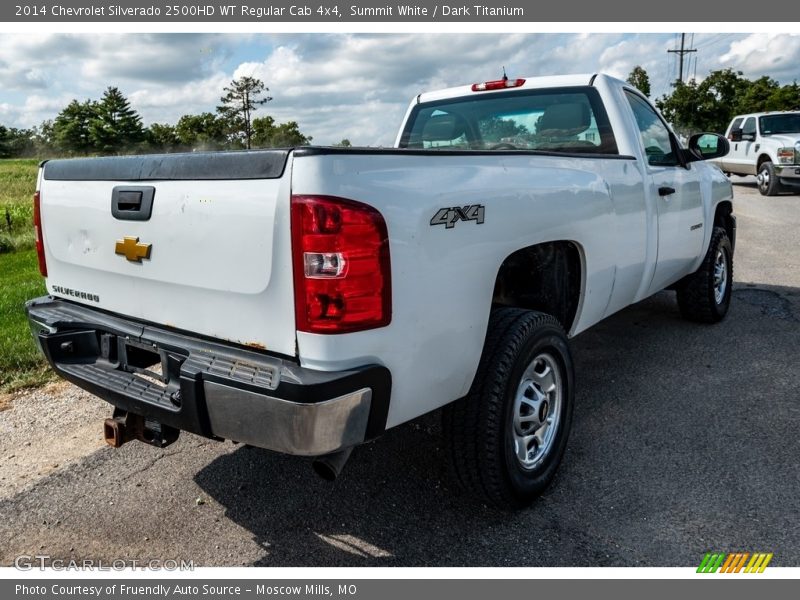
241,99
757,95
726,85
116,126
711,104
268,134
785,98
345,143
19,142
639,79
495,129
688,107
43,137
163,137
4,149
204,131
71,128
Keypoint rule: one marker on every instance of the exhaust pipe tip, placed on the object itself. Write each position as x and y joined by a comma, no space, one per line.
330,466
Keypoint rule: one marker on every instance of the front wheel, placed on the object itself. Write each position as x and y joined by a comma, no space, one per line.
705,295
768,184
508,435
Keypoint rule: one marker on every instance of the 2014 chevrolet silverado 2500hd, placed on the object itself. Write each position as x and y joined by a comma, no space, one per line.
305,300
766,145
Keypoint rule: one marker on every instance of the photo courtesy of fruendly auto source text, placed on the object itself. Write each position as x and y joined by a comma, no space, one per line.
372,300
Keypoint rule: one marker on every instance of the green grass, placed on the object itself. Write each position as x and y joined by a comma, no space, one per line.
17,184
21,364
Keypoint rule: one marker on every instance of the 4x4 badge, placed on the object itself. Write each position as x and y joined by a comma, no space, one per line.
130,248
450,216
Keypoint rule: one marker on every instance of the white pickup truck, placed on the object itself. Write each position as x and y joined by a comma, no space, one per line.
766,145
305,300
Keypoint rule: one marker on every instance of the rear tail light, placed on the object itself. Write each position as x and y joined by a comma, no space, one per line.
499,84
37,229
342,275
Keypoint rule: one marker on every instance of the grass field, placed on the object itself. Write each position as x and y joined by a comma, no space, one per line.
21,365
17,184
20,362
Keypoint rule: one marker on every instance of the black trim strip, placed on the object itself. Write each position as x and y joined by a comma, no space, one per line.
320,151
253,164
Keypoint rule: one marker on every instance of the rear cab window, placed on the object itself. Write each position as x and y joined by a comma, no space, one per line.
568,120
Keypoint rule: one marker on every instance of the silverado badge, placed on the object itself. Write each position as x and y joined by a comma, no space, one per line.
131,249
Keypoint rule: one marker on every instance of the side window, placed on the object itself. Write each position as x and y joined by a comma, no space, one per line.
654,133
737,124
749,127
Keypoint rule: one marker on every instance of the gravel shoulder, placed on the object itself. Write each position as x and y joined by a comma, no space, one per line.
46,429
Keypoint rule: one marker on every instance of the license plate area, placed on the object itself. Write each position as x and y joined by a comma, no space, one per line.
157,366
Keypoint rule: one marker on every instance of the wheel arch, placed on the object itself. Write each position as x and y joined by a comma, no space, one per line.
762,158
723,217
548,277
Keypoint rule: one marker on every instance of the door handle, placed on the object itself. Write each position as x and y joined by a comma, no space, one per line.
665,191
132,203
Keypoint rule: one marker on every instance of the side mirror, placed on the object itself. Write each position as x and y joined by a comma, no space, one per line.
736,135
703,146
748,137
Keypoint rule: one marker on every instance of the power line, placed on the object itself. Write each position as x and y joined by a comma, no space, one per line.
681,53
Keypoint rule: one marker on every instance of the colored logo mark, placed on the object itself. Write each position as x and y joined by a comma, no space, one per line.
721,562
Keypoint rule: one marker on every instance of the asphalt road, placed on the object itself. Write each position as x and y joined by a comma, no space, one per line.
685,440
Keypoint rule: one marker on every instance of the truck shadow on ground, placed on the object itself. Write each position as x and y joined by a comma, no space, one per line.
654,394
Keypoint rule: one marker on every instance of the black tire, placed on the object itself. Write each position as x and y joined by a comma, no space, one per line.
480,428
699,297
768,184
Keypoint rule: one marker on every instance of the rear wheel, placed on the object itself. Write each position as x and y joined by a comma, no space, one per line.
768,184
508,435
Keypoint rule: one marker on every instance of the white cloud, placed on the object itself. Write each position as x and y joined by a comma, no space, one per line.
777,55
343,85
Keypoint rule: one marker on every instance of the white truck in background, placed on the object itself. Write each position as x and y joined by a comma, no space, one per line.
766,145
305,300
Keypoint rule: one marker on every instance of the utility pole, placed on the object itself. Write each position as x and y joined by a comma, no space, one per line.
683,51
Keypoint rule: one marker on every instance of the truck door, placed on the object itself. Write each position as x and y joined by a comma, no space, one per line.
741,158
675,190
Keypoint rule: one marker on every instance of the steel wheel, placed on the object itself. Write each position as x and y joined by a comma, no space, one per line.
768,182
537,410
720,275
763,181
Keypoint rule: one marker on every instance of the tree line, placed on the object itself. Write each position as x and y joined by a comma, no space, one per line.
711,104
111,125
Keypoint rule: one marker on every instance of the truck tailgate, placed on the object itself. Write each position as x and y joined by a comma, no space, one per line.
213,256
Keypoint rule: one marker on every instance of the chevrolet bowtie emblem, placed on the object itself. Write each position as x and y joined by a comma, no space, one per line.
131,249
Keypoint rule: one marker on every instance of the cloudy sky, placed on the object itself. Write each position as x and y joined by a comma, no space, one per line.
336,86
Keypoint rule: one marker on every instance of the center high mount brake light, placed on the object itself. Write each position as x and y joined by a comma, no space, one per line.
498,84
